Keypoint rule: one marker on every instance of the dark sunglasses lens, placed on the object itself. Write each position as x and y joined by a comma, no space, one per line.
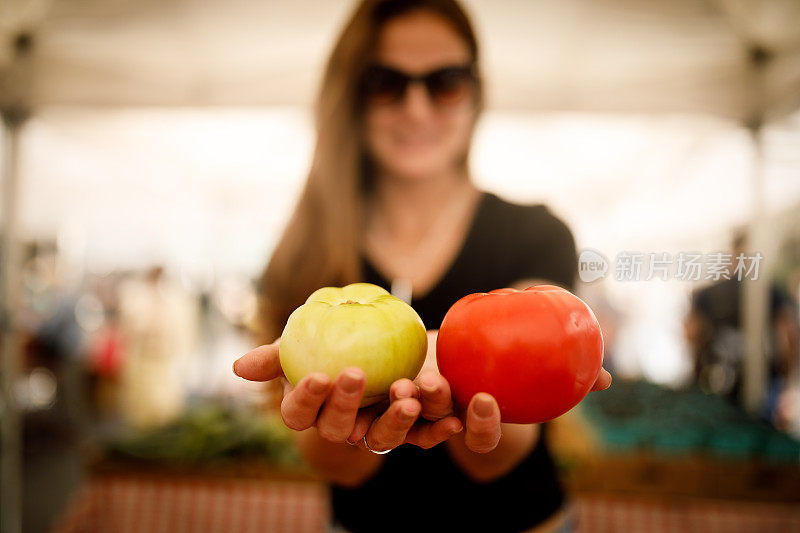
383,85
449,85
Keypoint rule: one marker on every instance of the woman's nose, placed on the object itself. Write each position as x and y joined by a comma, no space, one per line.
417,103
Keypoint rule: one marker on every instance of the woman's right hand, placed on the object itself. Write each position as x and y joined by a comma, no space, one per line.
333,407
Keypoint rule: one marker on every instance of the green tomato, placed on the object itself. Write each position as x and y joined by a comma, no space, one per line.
358,325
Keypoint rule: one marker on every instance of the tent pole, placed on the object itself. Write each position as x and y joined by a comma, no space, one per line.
11,459
14,90
755,297
755,292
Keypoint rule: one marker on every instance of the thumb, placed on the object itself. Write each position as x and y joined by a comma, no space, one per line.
603,381
483,423
259,364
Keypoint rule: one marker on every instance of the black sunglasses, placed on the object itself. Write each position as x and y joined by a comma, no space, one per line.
446,85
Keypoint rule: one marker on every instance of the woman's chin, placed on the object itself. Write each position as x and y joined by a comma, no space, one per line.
417,176
418,170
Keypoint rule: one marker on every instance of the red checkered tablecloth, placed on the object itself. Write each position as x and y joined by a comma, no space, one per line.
124,504
612,514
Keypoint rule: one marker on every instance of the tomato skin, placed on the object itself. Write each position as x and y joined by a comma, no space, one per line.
537,351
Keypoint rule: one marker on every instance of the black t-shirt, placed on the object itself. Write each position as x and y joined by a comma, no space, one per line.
505,243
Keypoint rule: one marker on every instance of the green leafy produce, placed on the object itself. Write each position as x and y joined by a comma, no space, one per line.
211,432
635,415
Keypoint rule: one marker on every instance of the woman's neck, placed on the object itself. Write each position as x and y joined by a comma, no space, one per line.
406,209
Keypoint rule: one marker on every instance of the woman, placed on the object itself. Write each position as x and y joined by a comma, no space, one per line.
389,201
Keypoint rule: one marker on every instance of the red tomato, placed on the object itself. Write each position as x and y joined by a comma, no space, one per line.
537,351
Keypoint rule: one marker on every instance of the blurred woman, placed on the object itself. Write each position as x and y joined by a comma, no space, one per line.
389,201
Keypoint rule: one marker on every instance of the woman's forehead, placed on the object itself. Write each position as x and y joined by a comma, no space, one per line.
419,42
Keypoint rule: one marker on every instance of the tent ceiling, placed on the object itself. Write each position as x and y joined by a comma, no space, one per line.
539,55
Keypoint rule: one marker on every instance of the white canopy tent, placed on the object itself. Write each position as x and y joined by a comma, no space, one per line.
732,58
80,68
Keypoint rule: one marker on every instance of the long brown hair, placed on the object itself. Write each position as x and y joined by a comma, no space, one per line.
320,246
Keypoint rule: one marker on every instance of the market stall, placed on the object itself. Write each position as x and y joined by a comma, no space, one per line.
644,469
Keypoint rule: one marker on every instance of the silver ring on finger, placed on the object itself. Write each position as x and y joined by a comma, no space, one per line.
367,446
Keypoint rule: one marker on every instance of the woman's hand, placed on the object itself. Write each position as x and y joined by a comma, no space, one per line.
482,415
333,408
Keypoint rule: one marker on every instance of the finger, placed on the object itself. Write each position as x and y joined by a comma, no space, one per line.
403,388
259,364
603,381
483,423
338,415
436,398
430,434
389,431
364,420
300,406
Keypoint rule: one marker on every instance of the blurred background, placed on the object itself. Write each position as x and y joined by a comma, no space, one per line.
153,152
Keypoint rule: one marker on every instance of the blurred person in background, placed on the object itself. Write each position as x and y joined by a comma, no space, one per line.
159,323
106,359
389,201
714,329
53,344
106,349
787,409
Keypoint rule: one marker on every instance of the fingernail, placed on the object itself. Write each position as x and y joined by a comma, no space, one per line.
350,382
402,394
234,366
407,414
317,386
428,385
483,407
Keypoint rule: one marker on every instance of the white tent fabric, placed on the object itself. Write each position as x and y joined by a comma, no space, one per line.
540,55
